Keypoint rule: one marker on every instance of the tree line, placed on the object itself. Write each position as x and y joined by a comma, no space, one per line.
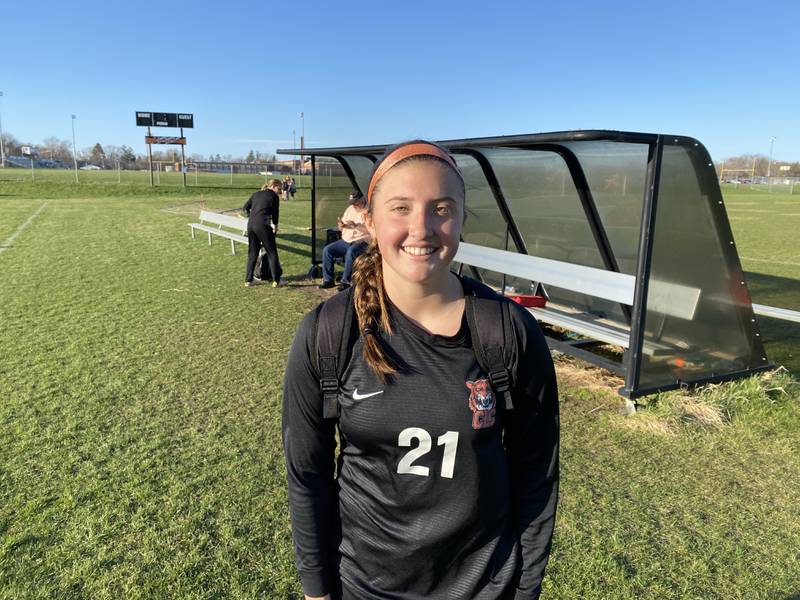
741,166
111,156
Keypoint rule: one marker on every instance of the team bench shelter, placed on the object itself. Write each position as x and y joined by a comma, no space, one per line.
624,234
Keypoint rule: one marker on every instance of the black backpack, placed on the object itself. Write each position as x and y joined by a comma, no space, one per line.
490,325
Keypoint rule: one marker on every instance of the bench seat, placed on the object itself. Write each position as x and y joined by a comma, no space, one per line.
665,299
212,223
584,324
220,232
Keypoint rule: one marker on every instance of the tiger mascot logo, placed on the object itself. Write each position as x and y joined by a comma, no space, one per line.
481,403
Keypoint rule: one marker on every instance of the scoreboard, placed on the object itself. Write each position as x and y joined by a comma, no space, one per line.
162,119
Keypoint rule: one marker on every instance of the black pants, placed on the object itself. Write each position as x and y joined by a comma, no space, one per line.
257,236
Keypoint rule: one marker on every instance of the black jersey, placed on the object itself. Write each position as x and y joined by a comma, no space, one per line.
439,492
262,207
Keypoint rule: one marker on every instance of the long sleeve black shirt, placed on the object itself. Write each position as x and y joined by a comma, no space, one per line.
423,504
262,207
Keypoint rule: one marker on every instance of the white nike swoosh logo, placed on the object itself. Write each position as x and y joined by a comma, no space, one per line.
357,396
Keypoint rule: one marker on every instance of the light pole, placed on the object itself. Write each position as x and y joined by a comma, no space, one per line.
2,147
302,139
74,152
769,164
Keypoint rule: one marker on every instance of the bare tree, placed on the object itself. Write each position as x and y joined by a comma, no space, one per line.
112,155
56,149
11,145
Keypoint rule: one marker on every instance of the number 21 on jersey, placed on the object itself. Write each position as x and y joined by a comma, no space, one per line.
406,465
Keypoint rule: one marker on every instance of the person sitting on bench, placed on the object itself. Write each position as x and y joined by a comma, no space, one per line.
355,239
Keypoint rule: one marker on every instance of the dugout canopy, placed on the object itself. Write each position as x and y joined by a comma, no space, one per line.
625,234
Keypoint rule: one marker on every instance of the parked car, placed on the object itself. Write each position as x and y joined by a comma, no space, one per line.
90,168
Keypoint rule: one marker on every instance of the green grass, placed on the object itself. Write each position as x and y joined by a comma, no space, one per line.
140,453
142,178
54,183
765,228
657,506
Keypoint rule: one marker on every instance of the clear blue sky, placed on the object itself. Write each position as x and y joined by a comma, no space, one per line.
727,73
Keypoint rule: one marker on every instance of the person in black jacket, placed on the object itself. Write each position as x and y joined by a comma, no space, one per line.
262,210
438,490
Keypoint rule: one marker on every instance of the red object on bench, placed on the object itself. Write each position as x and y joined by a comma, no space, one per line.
529,300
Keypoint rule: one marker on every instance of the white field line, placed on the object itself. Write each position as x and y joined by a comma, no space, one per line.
6,243
774,262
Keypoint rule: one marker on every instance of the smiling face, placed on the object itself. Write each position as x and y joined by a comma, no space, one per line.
416,215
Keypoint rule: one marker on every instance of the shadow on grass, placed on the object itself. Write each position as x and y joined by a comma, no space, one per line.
775,287
305,251
297,238
782,342
781,338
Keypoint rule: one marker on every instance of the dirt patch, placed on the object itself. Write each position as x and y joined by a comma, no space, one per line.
704,415
192,208
305,283
575,373
649,424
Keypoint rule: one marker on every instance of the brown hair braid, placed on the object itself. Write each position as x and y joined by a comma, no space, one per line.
372,311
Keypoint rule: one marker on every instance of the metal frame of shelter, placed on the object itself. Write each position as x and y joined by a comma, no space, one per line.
625,233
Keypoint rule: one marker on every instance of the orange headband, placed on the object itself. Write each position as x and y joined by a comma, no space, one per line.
403,152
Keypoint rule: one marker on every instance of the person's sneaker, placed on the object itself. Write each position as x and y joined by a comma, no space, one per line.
249,283
326,285
278,283
343,286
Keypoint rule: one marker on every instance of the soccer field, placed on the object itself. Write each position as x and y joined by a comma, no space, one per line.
140,398
168,179
765,226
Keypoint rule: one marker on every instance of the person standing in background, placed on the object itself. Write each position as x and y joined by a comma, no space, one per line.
262,210
285,187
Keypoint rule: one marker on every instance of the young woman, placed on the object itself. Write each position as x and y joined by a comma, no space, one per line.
428,500
262,210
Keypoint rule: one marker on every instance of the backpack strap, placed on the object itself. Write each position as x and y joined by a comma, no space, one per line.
490,326
333,335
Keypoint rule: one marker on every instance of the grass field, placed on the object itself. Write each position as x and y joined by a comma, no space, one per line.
765,227
140,388
141,178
